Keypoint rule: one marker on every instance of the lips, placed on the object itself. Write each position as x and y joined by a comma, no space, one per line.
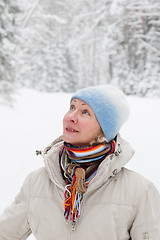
69,129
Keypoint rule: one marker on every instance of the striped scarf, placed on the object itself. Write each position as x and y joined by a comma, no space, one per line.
79,166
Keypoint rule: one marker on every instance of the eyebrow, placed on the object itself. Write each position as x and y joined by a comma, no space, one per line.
82,103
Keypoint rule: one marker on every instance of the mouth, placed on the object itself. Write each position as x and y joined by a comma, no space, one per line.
71,130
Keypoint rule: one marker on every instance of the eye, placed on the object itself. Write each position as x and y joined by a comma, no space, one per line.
72,107
86,112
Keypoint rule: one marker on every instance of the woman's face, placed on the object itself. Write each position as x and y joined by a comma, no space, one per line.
80,125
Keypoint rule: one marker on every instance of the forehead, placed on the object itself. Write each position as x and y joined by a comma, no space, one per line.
79,101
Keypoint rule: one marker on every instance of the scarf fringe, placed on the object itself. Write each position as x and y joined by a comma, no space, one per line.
74,194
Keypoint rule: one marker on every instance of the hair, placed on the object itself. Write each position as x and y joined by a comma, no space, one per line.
98,139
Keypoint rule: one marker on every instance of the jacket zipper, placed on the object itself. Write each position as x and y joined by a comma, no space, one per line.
146,236
72,231
73,226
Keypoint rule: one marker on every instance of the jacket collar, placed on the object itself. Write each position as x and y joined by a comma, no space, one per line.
112,165
108,169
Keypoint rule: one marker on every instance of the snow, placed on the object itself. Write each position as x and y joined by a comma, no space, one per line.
35,120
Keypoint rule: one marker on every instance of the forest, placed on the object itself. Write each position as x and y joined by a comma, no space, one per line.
64,45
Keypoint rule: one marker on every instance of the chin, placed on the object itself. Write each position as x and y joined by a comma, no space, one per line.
67,139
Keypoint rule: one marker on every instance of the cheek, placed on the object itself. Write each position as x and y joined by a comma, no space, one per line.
84,124
95,127
91,126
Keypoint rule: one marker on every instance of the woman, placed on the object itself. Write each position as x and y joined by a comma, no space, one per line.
84,191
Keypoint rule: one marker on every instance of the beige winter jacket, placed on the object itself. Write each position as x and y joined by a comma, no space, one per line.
118,205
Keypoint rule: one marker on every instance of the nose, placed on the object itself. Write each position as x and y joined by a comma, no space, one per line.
72,117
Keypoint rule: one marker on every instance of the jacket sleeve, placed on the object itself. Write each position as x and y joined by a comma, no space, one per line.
147,220
13,221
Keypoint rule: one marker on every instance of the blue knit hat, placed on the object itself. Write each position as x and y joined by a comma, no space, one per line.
108,104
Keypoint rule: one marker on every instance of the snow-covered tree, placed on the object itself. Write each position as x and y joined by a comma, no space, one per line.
44,59
142,30
68,44
8,40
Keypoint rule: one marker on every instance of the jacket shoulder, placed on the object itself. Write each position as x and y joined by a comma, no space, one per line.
135,177
137,184
37,180
37,174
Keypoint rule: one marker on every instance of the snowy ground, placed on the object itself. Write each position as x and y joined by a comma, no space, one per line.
36,120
